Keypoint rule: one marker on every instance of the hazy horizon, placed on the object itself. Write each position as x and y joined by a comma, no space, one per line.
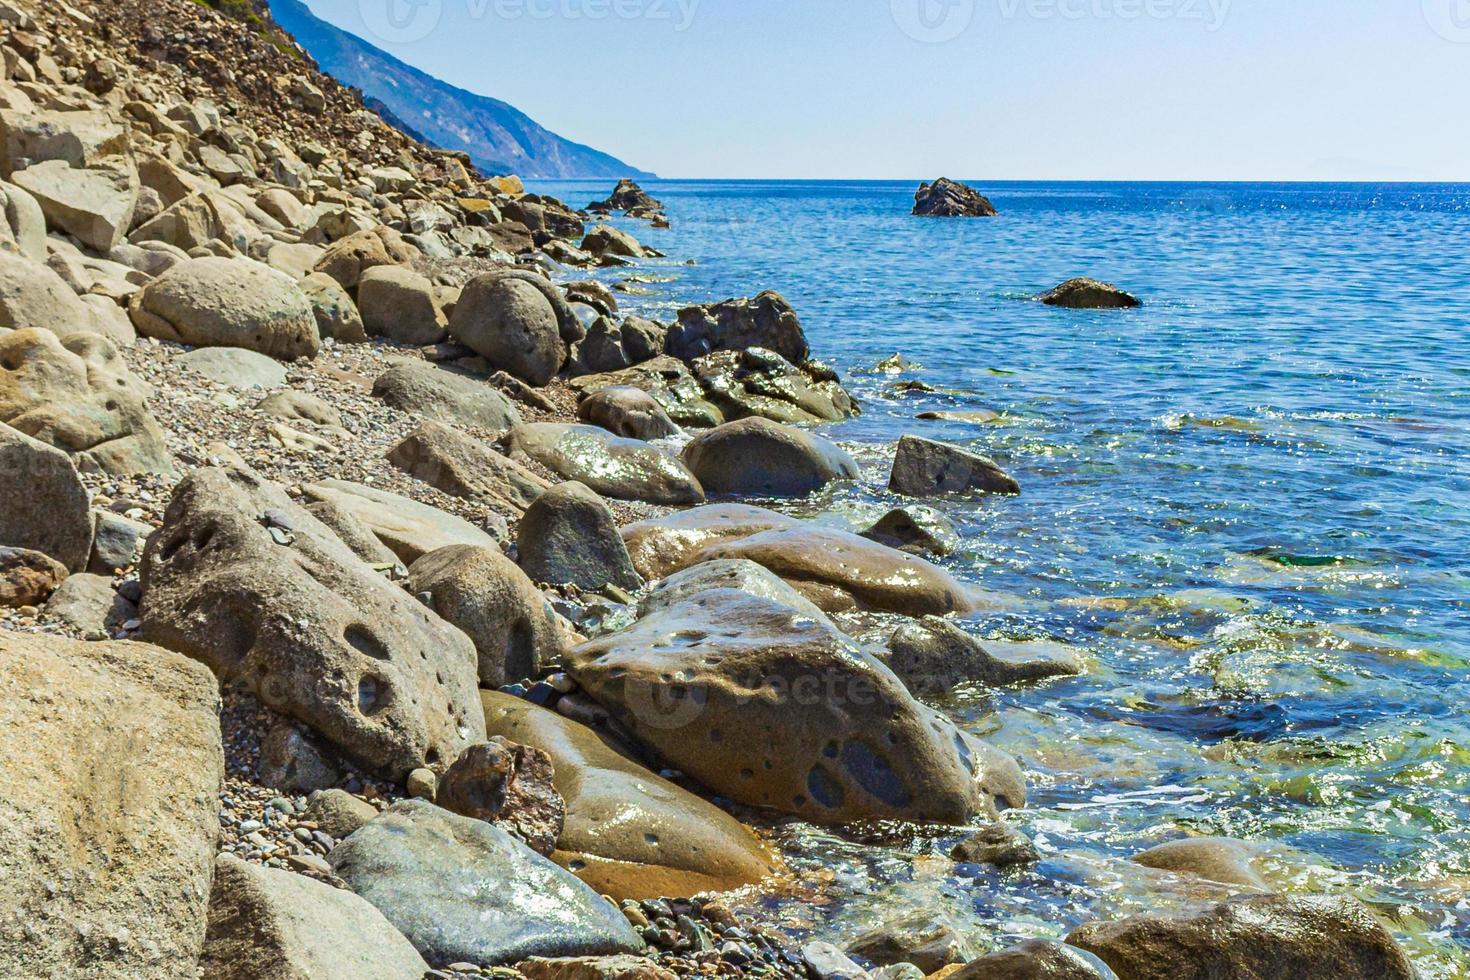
1019,90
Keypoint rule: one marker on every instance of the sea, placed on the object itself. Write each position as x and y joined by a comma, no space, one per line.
1246,504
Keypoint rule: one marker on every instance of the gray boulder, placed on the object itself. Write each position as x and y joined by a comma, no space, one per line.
34,296
736,573
47,508
90,603
925,468
337,316
398,304
933,656
236,367
624,469
408,528
94,205
463,890
758,457
947,198
570,537
518,321
766,321
218,302
442,395
627,412
917,530
461,466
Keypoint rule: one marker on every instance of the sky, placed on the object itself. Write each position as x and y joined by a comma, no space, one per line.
974,89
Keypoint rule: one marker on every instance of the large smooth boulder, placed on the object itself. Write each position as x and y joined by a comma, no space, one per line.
1036,959
947,198
518,321
772,708
492,601
442,395
839,570
463,890
80,138
47,507
629,833
408,528
624,469
756,457
266,924
569,536
111,760
33,296
398,304
738,574
95,205
78,395
337,316
246,581
349,257
925,468
1089,294
218,302
627,412
661,546
766,321
1304,938
462,466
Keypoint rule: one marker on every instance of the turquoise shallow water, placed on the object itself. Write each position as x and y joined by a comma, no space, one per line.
1247,504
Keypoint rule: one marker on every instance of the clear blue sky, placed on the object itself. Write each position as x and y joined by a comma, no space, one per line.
1027,89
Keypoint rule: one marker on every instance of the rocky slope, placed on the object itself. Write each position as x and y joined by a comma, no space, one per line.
497,136
366,612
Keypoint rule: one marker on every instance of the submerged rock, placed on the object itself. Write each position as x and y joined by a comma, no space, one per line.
774,709
925,468
760,458
464,891
1037,959
922,938
934,656
997,844
1212,858
947,198
1089,294
1305,938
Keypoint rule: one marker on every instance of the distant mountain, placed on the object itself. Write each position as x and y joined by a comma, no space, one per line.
498,137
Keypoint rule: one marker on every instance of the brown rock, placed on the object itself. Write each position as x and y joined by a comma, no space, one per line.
1089,294
664,545
1213,858
594,968
27,578
461,466
507,784
925,468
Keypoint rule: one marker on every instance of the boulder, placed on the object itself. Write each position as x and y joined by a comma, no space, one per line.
1305,938
629,833
25,223
570,537
925,468
766,321
32,296
358,537
604,240
107,857
997,844
661,546
546,217
947,198
442,395
451,461
1036,959
266,924
90,603
408,528
78,395
27,578
627,412
1089,294
602,349
756,457
246,581
839,570
236,367
772,708
47,508
934,656
398,304
518,321
286,208
917,530
337,317
922,938
485,595
80,138
627,196
624,469
300,406
760,383
115,542
218,302
338,813
738,574
348,258
509,785
463,890
1221,859
668,381
94,205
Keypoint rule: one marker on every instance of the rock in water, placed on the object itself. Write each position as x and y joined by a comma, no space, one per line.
483,593
917,530
947,198
761,458
627,196
246,581
1305,938
766,321
216,302
926,940
1037,959
107,859
774,709
624,469
569,536
47,508
463,890
925,468
933,656
629,833
1089,294
1213,858
998,844
266,924
509,785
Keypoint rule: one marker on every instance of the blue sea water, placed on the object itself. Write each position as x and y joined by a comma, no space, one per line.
1246,504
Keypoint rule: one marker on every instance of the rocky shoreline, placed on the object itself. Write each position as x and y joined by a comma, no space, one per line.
383,600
